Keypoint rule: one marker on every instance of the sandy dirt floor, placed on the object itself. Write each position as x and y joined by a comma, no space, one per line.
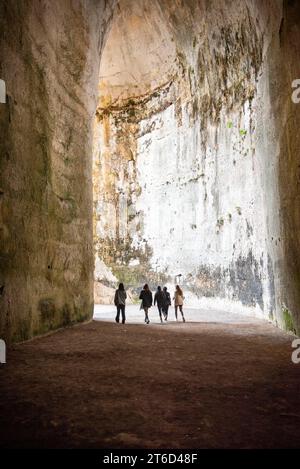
226,381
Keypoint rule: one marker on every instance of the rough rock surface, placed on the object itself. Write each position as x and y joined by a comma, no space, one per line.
103,294
50,53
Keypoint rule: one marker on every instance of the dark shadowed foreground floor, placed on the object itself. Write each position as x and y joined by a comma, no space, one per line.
190,385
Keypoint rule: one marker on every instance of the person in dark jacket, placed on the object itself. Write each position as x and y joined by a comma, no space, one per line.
167,302
120,299
147,300
159,299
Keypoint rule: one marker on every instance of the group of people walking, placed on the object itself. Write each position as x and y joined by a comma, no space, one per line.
162,299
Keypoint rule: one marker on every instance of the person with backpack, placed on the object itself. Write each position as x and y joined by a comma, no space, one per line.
147,300
120,300
167,302
159,299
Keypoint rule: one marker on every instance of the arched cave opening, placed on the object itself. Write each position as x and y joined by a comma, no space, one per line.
178,173
195,156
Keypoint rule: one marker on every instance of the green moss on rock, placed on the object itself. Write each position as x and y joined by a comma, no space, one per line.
288,320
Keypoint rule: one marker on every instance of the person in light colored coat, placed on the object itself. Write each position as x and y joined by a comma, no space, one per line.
178,302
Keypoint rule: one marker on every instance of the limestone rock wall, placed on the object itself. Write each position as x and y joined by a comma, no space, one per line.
200,165
284,114
50,53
